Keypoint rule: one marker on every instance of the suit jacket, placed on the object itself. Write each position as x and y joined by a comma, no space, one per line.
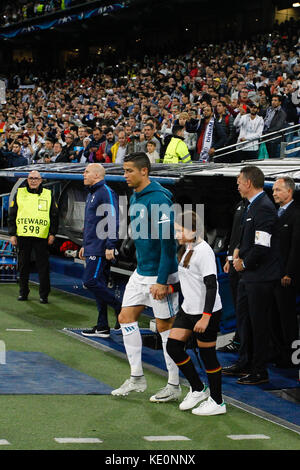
218,138
259,246
235,235
278,122
288,227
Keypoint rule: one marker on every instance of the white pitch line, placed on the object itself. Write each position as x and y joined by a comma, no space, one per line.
4,442
241,437
17,329
166,438
78,440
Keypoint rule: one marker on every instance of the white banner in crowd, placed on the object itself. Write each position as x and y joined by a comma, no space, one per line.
2,92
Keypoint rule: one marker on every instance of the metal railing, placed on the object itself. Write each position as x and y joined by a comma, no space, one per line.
265,138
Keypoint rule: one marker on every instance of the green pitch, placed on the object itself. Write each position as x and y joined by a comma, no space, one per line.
32,422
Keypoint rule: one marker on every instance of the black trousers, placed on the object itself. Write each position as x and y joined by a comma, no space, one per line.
234,278
283,322
38,246
273,149
253,305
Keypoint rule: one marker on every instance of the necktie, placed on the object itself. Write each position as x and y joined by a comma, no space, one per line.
280,211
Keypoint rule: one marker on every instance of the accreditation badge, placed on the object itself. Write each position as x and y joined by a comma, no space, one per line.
263,238
42,205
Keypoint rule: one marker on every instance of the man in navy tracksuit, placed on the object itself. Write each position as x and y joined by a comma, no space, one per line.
100,238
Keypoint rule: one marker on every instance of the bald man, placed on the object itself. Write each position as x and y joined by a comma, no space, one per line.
32,225
100,241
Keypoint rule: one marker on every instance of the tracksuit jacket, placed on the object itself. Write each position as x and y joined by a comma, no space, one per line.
152,228
96,235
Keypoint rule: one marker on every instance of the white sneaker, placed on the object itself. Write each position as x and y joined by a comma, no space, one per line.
168,393
209,407
193,398
134,384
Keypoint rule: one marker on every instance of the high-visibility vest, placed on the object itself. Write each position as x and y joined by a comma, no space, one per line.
177,152
33,215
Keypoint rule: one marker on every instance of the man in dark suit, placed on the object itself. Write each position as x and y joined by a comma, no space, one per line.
258,265
274,120
233,275
283,321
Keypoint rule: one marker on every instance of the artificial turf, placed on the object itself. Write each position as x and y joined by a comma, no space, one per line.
32,422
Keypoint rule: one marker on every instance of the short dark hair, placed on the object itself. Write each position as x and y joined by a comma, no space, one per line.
149,124
108,129
176,128
139,159
254,174
277,96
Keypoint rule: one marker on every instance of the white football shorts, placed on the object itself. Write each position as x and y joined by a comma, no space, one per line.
137,293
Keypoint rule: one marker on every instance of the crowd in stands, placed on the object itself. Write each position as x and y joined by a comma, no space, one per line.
21,10
100,113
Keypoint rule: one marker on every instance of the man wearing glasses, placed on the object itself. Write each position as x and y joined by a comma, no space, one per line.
32,225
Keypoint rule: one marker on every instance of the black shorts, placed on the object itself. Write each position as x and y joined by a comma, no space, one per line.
187,322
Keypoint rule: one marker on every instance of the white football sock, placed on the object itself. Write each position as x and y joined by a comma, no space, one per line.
133,346
173,371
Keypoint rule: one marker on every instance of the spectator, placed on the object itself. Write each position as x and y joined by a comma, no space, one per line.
148,135
152,153
90,152
44,151
26,149
250,126
14,158
243,97
104,153
189,138
67,154
211,135
57,149
288,106
274,120
119,149
224,118
86,96
78,142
